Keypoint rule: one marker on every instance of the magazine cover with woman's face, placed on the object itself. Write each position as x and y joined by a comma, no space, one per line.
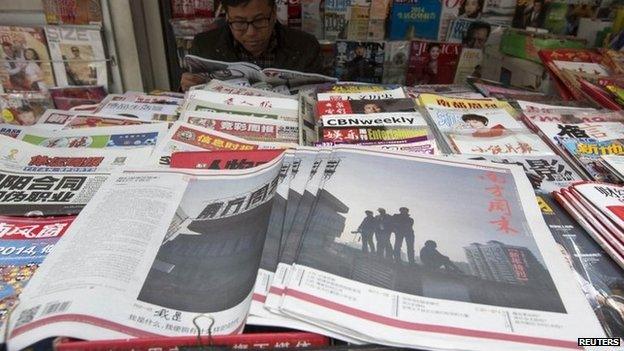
25,61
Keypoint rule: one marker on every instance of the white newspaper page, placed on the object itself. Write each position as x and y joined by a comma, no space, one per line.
189,137
246,127
97,138
157,249
225,87
301,172
143,107
456,256
39,181
245,100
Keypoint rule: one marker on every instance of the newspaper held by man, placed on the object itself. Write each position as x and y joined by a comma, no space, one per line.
213,69
155,245
438,290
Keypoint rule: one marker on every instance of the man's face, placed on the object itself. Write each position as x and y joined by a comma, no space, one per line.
480,37
255,40
359,51
537,7
75,52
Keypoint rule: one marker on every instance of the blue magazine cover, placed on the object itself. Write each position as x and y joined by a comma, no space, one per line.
415,19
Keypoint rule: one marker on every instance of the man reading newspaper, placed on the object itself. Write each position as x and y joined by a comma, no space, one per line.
253,34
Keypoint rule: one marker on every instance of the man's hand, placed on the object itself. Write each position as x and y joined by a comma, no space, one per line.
190,79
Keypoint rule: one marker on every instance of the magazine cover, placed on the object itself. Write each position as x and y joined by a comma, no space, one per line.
450,11
498,11
598,275
335,19
23,108
587,151
432,63
411,19
395,62
469,65
606,198
379,11
397,273
359,61
79,56
25,244
25,60
72,11
530,13
475,33
364,106
357,28
499,144
547,173
311,17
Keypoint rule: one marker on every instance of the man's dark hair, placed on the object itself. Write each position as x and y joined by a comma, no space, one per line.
474,26
475,117
236,3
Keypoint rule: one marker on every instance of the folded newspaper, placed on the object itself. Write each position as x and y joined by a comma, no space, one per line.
213,69
159,250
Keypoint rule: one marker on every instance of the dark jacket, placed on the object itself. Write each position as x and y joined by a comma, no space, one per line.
296,50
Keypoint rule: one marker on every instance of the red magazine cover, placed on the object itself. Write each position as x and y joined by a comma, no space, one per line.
222,159
243,341
565,64
598,95
432,62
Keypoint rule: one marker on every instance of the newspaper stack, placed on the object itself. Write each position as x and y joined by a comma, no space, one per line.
581,136
598,208
480,127
297,242
393,124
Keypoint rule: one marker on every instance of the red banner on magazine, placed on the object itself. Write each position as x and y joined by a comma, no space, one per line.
222,159
15,228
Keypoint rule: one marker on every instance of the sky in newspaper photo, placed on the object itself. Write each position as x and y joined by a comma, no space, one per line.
462,233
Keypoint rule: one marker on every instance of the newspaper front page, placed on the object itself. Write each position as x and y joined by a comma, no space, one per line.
158,249
37,181
472,264
246,127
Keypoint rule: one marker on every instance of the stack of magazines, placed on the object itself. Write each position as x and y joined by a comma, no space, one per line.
418,217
